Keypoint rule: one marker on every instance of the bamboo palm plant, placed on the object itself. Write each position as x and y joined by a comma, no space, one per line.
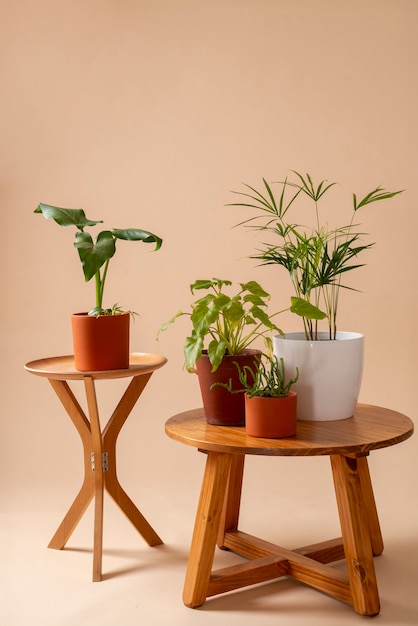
316,258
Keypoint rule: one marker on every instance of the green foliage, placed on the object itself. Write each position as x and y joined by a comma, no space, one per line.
230,323
115,310
316,259
95,255
268,380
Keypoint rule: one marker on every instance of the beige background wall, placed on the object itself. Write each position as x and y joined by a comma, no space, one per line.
148,113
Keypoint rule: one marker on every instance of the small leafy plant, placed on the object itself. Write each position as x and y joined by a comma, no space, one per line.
316,258
230,323
268,380
95,255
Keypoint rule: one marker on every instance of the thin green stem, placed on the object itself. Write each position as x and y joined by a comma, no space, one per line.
100,283
99,291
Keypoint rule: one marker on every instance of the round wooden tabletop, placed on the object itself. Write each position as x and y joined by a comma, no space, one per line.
370,428
62,367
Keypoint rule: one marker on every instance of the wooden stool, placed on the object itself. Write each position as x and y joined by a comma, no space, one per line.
347,443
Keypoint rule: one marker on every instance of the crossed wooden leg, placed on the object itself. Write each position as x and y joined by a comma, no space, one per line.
100,465
217,523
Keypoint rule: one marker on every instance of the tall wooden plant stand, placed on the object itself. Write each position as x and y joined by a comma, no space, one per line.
99,445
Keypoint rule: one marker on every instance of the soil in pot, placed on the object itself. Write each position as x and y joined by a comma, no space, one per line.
221,407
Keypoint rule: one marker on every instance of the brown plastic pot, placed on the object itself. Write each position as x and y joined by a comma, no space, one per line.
221,407
100,343
271,418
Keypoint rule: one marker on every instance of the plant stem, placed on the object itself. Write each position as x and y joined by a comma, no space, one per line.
99,293
100,283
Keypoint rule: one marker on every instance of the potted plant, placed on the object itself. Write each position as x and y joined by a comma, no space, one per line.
270,405
227,325
100,336
317,259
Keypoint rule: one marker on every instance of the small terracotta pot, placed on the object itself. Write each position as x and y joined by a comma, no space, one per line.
222,407
100,343
271,418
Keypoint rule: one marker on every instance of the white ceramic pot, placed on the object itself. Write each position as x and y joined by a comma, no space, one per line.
330,373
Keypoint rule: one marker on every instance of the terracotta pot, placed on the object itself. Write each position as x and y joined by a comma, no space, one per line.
271,418
330,373
100,343
222,407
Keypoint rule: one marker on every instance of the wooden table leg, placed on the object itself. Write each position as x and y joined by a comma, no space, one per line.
206,528
350,488
230,513
100,465
85,495
73,516
370,506
112,485
98,477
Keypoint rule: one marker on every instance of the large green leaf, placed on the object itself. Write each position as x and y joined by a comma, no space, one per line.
221,302
216,351
232,309
94,255
306,309
215,283
193,347
203,316
255,300
255,288
136,234
263,317
66,217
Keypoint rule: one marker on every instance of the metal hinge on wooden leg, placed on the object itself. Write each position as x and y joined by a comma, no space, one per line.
105,461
